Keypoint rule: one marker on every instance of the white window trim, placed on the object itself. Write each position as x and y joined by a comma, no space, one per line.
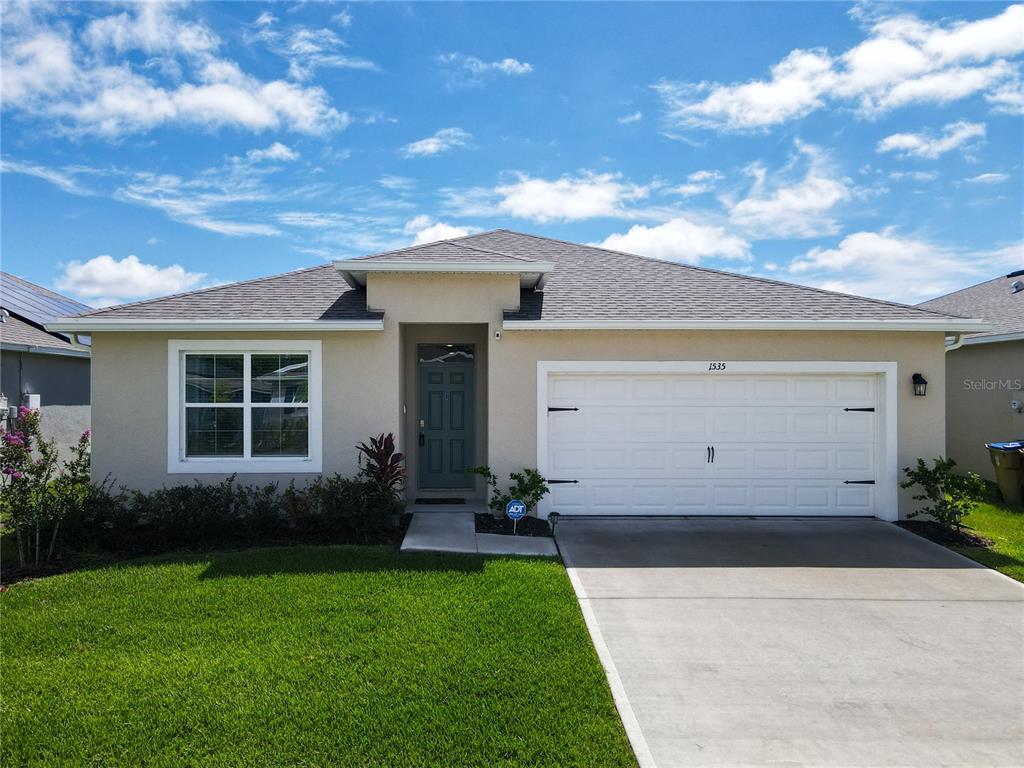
177,463
887,495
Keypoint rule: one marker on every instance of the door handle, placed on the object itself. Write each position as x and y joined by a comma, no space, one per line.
712,454
707,459
423,439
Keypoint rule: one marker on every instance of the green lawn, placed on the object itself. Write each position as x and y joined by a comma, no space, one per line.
306,656
1005,526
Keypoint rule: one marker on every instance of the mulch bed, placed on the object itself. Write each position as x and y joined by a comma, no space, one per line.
528,526
947,537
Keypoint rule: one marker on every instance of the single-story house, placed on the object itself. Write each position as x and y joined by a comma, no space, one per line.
984,371
636,386
45,369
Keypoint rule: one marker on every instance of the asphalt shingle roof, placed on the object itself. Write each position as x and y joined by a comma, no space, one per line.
993,300
317,293
14,330
588,283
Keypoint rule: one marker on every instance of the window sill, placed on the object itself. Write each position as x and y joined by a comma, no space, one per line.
244,466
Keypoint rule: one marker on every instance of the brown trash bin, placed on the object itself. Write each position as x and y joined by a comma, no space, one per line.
1008,459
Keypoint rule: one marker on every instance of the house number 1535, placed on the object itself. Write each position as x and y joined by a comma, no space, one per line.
716,366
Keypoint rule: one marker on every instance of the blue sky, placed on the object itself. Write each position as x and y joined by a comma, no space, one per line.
151,148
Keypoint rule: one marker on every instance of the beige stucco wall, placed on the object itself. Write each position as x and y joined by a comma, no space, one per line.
129,403
981,380
367,375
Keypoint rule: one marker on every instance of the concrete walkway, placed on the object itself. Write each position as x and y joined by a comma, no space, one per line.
818,643
456,532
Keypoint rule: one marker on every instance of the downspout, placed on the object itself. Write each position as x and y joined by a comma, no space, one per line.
958,341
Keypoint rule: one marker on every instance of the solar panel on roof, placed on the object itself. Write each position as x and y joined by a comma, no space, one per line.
33,303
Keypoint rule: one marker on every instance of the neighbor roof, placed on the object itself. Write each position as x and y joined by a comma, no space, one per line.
29,307
994,301
582,286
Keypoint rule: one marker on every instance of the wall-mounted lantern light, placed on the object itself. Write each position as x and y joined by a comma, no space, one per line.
920,385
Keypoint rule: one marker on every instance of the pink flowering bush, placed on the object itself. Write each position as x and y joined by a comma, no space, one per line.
36,492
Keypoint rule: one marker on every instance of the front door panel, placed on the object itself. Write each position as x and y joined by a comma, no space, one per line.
445,420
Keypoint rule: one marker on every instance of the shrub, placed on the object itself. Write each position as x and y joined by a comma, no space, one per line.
951,496
528,486
381,463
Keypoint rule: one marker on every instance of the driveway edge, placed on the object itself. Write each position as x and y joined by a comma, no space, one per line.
641,750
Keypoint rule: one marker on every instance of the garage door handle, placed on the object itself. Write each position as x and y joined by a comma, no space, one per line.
551,409
712,454
865,410
858,482
561,482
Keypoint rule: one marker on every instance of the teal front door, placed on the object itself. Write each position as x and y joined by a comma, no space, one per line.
445,419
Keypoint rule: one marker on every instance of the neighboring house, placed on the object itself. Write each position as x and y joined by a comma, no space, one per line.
985,371
636,386
50,364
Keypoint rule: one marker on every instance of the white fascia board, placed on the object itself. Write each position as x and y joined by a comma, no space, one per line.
355,272
993,339
41,350
745,325
83,324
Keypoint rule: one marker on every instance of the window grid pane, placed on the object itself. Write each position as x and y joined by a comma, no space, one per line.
214,378
280,431
213,431
280,378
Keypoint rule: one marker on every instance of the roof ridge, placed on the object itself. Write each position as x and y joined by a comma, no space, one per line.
491,250
211,288
768,280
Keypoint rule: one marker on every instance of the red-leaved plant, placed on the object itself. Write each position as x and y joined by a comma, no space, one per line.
380,462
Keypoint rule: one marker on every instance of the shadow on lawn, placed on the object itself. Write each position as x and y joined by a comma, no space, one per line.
330,559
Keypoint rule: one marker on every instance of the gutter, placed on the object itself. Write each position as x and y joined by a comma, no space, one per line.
93,324
39,350
943,325
993,339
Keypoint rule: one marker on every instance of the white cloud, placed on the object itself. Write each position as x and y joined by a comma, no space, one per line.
954,135
275,152
462,71
636,117
914,175
793,208
206,200
104,280
888,266
310,219
90,84
679,240
569,198
698,183
61,179
988,178
307,49
902,61
426,230
442,141
396,183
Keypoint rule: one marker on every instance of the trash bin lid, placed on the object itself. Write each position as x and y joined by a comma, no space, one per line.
1015,445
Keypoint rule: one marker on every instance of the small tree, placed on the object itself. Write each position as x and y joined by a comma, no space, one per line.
27,464
951,496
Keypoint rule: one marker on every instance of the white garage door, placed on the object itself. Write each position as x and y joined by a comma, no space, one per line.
712,444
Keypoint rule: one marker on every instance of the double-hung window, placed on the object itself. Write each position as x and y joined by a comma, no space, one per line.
237,406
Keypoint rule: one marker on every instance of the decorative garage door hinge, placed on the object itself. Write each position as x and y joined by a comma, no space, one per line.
858,482
561,482
866,410
552,408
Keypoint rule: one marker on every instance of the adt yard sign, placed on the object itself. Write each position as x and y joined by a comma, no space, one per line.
515,510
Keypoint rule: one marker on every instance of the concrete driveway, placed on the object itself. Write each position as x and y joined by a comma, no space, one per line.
825,643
